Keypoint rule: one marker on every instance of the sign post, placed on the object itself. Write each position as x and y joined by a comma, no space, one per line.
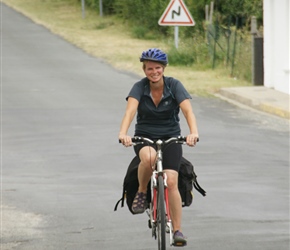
176,14
101,7
176,36
83,9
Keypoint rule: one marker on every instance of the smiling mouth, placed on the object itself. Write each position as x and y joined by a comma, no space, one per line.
154,79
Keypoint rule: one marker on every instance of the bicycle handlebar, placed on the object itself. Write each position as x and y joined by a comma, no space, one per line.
141,140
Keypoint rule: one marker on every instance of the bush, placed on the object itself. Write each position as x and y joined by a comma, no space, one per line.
191,51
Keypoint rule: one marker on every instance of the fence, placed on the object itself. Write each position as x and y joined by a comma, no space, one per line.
230,45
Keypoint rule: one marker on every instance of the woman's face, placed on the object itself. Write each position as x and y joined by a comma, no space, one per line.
153,71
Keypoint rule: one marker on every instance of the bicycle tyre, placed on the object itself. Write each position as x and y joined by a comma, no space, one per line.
161,225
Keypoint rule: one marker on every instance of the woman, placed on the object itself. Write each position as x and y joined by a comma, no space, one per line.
157,100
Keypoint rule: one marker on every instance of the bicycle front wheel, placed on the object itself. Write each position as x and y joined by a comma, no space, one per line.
161,219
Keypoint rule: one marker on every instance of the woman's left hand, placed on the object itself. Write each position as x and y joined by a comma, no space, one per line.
192,139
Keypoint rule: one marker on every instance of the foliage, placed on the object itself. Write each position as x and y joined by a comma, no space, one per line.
222,43
191,51
147,13
241,8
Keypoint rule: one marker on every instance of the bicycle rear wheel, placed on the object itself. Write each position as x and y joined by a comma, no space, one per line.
161,223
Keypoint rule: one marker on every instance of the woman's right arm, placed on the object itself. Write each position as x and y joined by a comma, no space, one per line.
130,112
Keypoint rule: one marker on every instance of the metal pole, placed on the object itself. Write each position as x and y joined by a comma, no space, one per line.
228,35
211,12
101,7
176,36
234,49
83,9
214,47
254,33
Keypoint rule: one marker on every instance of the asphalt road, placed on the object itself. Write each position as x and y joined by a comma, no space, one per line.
62,167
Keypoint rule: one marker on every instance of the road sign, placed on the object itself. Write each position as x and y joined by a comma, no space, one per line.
176,14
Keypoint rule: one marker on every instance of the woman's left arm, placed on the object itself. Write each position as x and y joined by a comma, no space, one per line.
186,108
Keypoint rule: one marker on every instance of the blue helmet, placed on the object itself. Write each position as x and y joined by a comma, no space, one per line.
155,55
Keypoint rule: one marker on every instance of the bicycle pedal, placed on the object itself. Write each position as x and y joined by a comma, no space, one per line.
180,244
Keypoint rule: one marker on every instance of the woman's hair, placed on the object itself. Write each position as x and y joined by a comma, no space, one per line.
145,61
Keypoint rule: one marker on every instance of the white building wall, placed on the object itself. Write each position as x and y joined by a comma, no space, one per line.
276,44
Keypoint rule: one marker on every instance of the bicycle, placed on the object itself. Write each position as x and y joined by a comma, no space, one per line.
158,211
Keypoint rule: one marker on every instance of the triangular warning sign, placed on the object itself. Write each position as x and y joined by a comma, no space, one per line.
176,14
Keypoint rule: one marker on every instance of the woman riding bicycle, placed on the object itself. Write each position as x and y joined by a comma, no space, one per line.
157,99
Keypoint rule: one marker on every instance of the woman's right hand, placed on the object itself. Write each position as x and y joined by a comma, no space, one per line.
125,140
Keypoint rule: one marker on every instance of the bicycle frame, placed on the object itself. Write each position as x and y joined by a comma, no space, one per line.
152,212
154,185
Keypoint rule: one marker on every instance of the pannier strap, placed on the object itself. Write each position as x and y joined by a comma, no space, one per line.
122,199
117,204
198,188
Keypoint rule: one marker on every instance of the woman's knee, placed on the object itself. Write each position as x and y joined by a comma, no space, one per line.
147,156
172,179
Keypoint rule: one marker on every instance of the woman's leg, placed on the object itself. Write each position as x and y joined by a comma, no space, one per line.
147,156
171,161
174,198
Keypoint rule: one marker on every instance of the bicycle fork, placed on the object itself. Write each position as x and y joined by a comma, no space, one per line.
169,228
153,207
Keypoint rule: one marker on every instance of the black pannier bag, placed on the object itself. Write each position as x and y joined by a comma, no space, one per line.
131,184
187,179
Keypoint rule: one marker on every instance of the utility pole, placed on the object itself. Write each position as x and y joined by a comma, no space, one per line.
101,7
83,9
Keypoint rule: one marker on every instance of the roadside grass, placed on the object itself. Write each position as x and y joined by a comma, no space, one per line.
112,40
